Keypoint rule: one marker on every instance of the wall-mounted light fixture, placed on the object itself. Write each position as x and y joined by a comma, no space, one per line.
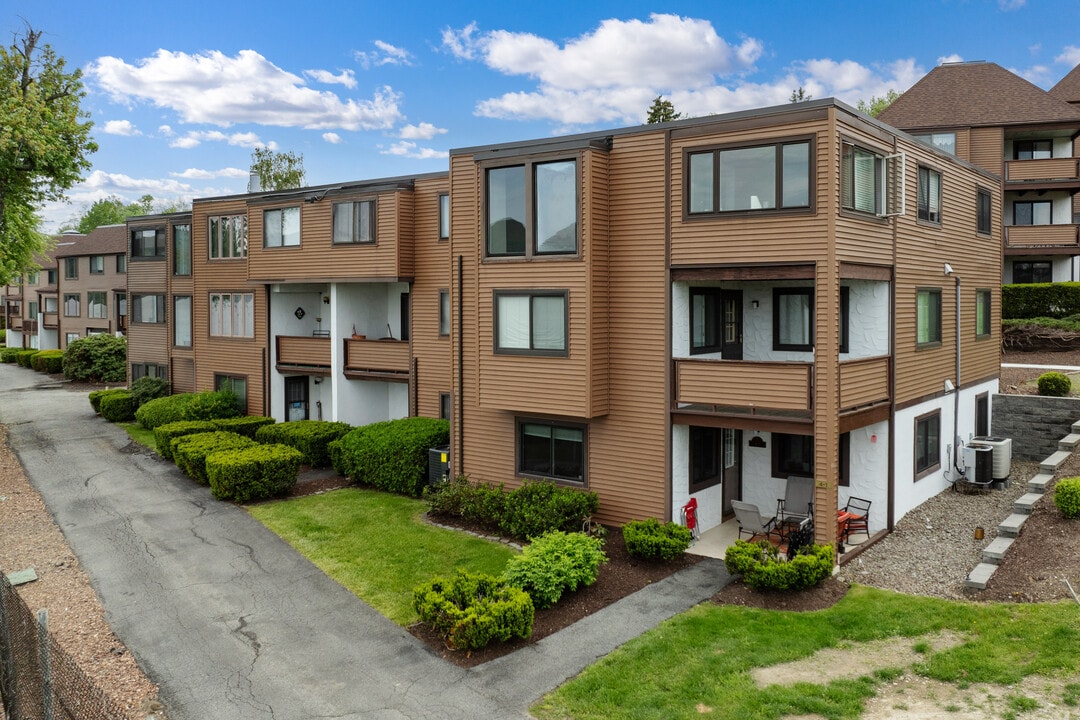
754,304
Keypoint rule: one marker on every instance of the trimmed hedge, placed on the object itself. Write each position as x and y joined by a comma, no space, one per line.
212,405
310,437
1067,497
148,388
165,434
471,610
1053,300
98,358
246,425
190,451
118,407
654,540
9,354
96,396
476,503
762,569
23,357
390,455
48,361
556,562
162,411
538,507
253,473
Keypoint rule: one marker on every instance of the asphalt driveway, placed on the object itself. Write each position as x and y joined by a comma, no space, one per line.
231,622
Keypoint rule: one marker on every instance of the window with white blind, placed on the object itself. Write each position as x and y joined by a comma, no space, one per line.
870,182
232,315
354,222
929,195
281,227
96,305
793,319
530,323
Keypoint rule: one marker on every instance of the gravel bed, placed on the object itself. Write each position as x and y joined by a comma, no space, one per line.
933,547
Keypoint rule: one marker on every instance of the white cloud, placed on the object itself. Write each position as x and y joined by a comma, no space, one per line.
120,127
464,43
247,88
1008,5
166,130
332,138
198,174
423,131
412,150
1070,56
384,54
346,77
954,58
195,138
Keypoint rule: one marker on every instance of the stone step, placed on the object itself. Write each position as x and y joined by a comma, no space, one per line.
995,551
1011,526
1052,463
1076,426
980,576
1070,442
1038,483
1026,502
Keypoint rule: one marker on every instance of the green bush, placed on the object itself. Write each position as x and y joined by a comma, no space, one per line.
538,507
98,358
48,361
164,410
1054,384
118,407
310,437
1054,300
475,503
148,388
24,357
246,425
96,395
3,337
165,434
391,455
9,354
253,473
762,569
213,405
654,540
1067,497
556,562
471,610
190,451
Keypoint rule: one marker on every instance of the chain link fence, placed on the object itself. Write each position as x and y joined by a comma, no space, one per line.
38,679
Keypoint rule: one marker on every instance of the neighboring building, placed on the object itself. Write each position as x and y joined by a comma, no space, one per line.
986,115
30,304
90,294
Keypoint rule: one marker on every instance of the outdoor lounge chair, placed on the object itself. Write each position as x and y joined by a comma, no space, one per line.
797,505
751,523
857,519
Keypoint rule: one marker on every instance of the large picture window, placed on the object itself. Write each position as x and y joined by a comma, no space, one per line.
148,243
764,177
793,319
1032,271
236,384
228,237
792,455
281,227
182,250
929,193
232,315
95,305
147,308
1033,149
927,444
945,141
531,323
551,450
354,222
1033,212
532,209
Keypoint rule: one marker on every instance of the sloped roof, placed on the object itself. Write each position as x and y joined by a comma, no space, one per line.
1068,88
104,240
975,94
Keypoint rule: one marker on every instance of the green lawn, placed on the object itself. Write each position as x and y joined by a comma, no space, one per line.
140,434
698,663
375,544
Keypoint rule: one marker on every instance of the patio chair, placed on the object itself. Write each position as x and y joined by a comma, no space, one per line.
858,517
750,522
797,505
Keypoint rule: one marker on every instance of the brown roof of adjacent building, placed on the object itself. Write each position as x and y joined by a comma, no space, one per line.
975,94
1068,88
104,240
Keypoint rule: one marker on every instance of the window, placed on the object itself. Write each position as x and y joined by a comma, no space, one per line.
121,264
862,178
70,337
181,249
403,317
530,323
792,455
50,276
927,444
97,264
182,320
444,216
982,414
929,195
1033,149
444,312
95,305
551,450
228,236
706,320
764,177
944,141
281,227
445,406
984,219
71,268
32,306
705,447
141,370
844,464
147,308
1033,212
32,277
121,304
793,319
148,243
50,304
532,209
845,317
1025,271
232,315
928,317
354,222
982,313
237,384
71,305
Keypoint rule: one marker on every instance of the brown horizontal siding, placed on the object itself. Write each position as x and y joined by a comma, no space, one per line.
182,376
313,351
148,343
376,355
988,149
432,352
864,382
769,385
860,238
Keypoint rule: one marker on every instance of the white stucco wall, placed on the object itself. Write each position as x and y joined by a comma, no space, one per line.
868,319
1060,210
710,500
284,300
869,472
1063,267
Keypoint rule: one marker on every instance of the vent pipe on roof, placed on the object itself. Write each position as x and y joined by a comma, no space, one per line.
254,183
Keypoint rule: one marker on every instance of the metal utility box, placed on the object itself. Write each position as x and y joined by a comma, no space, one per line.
438,464
978,464
1002,447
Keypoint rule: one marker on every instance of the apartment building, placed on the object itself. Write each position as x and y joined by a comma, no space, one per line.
30,304
90,296
986,115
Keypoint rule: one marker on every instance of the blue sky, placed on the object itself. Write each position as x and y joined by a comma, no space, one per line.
180,93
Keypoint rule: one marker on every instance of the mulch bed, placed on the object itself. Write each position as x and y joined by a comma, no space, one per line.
825,595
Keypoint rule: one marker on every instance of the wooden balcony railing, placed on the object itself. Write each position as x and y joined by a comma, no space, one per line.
377,358
864,382
16,323
29,326
1049,169
303,352
1042,236
51,320
741,384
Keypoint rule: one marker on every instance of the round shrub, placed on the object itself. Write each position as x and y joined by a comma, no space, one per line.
476,503
253,473
390,455
212,405
472,610
98,358
9,354
148,388
163,410
762,569
95,396
654,540
556,562
23,357
1067,497
48,361
1054,384
118,407
538,507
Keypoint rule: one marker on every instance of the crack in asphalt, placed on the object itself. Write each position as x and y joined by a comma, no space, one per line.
243,679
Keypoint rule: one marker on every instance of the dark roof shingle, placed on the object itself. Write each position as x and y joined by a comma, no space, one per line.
104,240
1068,88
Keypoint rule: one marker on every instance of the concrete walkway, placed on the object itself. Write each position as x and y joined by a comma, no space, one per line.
232,623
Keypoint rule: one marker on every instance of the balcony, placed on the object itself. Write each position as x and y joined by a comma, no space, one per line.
307,354
51,320
864,383
377,359
16,323
773,387
1048,169
1021,239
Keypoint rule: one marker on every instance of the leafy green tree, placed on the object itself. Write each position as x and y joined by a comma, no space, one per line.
662,110
278,170
44,143
114,210
800,95
877,104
